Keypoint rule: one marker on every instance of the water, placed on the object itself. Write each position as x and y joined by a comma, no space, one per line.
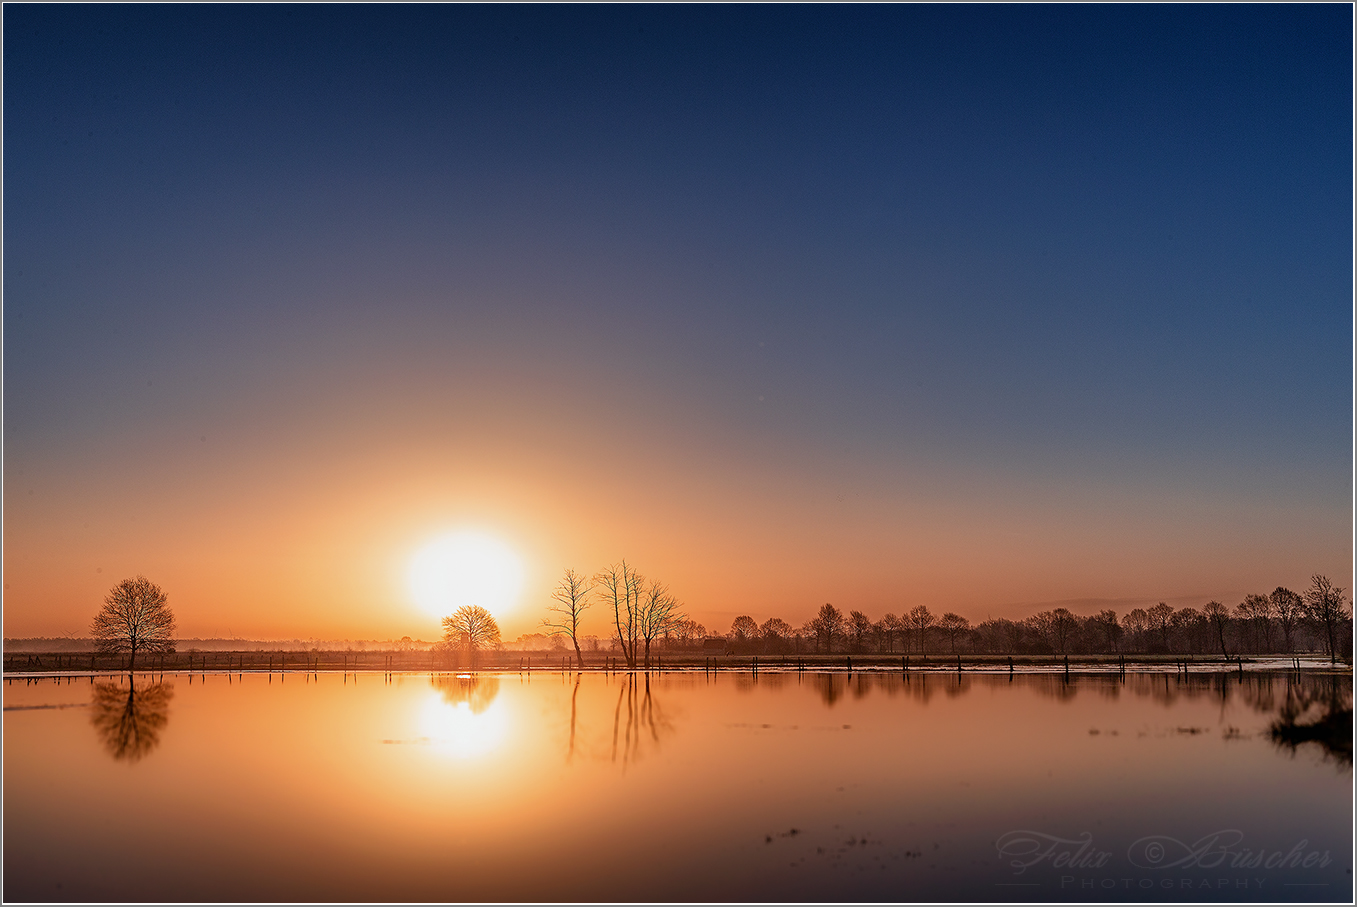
784,787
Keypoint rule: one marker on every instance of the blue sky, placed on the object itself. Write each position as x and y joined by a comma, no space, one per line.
1019,265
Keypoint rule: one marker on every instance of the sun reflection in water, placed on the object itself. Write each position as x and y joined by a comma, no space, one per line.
462,718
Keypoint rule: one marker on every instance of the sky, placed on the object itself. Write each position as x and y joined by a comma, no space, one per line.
984,308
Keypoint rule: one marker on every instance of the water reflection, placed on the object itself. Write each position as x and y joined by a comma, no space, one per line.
639,720
788,786
463,719
1311,710
129,720
1319,715
475,691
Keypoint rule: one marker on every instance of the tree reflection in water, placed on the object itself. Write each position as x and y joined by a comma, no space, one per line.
1318,713
129,721
476,690
643,717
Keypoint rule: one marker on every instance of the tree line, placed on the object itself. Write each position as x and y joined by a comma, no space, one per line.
1282,621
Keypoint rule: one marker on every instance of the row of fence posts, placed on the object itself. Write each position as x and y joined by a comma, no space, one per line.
711,664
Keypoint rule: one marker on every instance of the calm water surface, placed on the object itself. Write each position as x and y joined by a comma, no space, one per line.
679,788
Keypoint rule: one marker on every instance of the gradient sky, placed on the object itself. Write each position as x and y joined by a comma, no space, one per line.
976,307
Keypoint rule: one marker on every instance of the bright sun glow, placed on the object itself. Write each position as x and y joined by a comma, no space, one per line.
461,731
467,568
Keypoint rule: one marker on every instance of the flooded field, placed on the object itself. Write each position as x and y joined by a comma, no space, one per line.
677,787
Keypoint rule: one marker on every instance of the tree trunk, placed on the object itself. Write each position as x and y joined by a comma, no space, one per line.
578,656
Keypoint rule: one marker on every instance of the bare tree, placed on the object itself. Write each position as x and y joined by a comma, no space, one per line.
860,626
952,624
1159,617
1062,626
1190,629
1135,624
920,618
135,616
1219,616
621,587
890,625
658,613
1042,626
1106,621
471,627
743,629
1289,608
775,632
827,624
572,599
687,631
1325,603
1255,612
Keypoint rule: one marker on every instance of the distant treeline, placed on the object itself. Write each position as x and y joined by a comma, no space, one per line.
1280,622
220,644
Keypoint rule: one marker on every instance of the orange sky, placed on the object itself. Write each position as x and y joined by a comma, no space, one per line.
306,530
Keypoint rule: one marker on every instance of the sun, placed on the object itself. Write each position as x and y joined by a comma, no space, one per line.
466,568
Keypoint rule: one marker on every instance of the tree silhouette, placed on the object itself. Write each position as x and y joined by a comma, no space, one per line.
827,624
1062,627
1289,608
129,721
1190,629
1135,624
1255,611
953,624
743,629
572,599
471,627
920,618
1159,617
1219,616
1106,621
622,588
1325,603
659,614
890,625
135,617
860,627
775,632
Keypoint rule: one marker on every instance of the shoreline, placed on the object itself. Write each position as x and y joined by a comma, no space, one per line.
333,663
